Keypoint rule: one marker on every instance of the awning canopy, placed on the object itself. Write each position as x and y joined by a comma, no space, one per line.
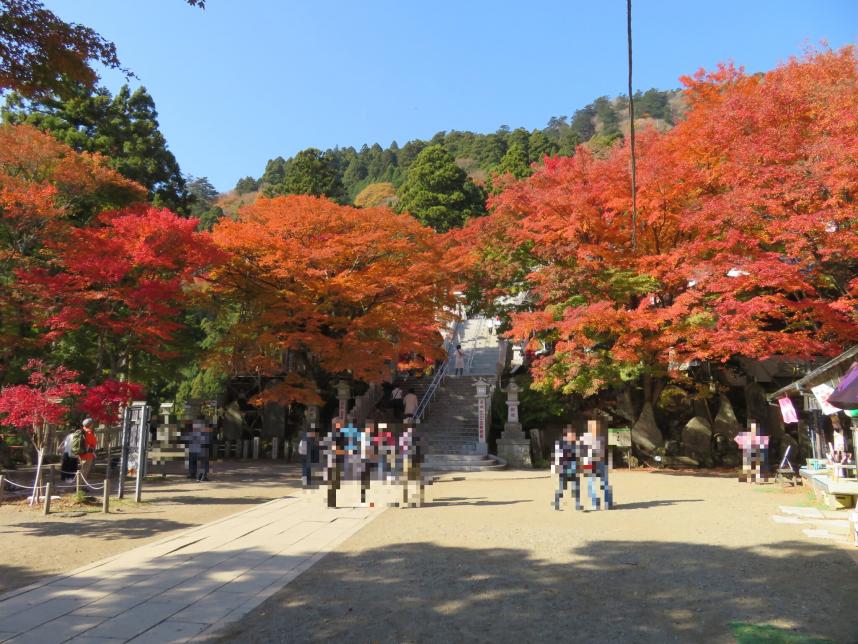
831,370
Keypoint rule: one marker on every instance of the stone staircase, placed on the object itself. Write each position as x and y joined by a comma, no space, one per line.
450,424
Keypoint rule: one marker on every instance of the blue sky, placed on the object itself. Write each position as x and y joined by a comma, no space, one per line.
248,80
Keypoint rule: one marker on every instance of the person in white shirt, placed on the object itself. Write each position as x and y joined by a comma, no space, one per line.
595,465
411,404
460,361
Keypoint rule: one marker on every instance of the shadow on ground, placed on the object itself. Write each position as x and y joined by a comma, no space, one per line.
21,576
190,499
640,505
609,591
479,501
127,528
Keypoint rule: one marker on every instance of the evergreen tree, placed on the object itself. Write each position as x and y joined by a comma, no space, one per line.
248,184
124,128
310,172
438,192
607,115
540,146
203,198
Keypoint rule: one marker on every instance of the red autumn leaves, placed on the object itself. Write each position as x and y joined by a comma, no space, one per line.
746,231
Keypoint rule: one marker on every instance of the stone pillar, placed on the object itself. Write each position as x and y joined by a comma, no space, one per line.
513,445
482,414
344,392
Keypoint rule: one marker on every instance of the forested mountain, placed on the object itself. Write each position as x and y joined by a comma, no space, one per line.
343,173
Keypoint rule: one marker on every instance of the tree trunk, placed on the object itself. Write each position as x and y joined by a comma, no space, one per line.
41,453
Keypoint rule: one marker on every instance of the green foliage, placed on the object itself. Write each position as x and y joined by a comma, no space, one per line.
438,192
654,104
607,116
310,172
746,633
245,185
203,196
357,169
123,128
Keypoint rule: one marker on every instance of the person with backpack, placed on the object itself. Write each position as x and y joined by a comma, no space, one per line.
71,448
86,446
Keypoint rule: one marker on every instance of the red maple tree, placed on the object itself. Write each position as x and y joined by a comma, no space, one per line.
745,234
43,402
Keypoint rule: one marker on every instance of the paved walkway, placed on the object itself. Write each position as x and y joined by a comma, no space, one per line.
185,587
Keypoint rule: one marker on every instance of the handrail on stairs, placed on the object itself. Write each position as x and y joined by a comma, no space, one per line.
470,360
438,378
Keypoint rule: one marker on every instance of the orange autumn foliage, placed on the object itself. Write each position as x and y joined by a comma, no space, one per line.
45,189
327,288
747,233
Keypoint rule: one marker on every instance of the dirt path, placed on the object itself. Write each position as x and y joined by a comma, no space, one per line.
682,558
33,546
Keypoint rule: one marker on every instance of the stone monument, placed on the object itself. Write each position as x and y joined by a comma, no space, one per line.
513,445
482,396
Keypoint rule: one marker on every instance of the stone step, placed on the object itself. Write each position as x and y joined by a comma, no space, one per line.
486,463
463,458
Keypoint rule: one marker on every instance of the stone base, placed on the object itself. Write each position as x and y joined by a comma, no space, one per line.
516,452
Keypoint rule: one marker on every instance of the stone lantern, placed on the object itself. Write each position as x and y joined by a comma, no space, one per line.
513,445
344,392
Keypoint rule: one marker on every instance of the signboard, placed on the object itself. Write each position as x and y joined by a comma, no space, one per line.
619,437
481,418
134,434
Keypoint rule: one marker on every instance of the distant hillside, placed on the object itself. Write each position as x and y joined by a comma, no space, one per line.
599,125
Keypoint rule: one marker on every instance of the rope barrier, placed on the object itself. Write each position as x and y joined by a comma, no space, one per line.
56,487
24,487
90,485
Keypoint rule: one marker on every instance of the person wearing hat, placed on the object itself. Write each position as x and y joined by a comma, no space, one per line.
90,443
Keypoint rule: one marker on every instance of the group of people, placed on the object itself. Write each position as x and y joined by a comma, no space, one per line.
404,404
79,451
576,458
365,455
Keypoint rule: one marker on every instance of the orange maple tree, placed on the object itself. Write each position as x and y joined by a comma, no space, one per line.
746,234
315,287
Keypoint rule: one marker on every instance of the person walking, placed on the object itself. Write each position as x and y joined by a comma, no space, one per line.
70,462
90,444
308,447
411,404
595,466
385,448
459,357
204,455
411,448
396,397
565,467
333,449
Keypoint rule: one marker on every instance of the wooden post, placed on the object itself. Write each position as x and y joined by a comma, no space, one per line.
77,482
48,489
52,475
105,498
2,487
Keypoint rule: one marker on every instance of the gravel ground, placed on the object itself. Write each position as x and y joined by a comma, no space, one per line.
33,546
683,557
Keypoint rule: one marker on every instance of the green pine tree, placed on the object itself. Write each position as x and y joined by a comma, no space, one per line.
438,192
